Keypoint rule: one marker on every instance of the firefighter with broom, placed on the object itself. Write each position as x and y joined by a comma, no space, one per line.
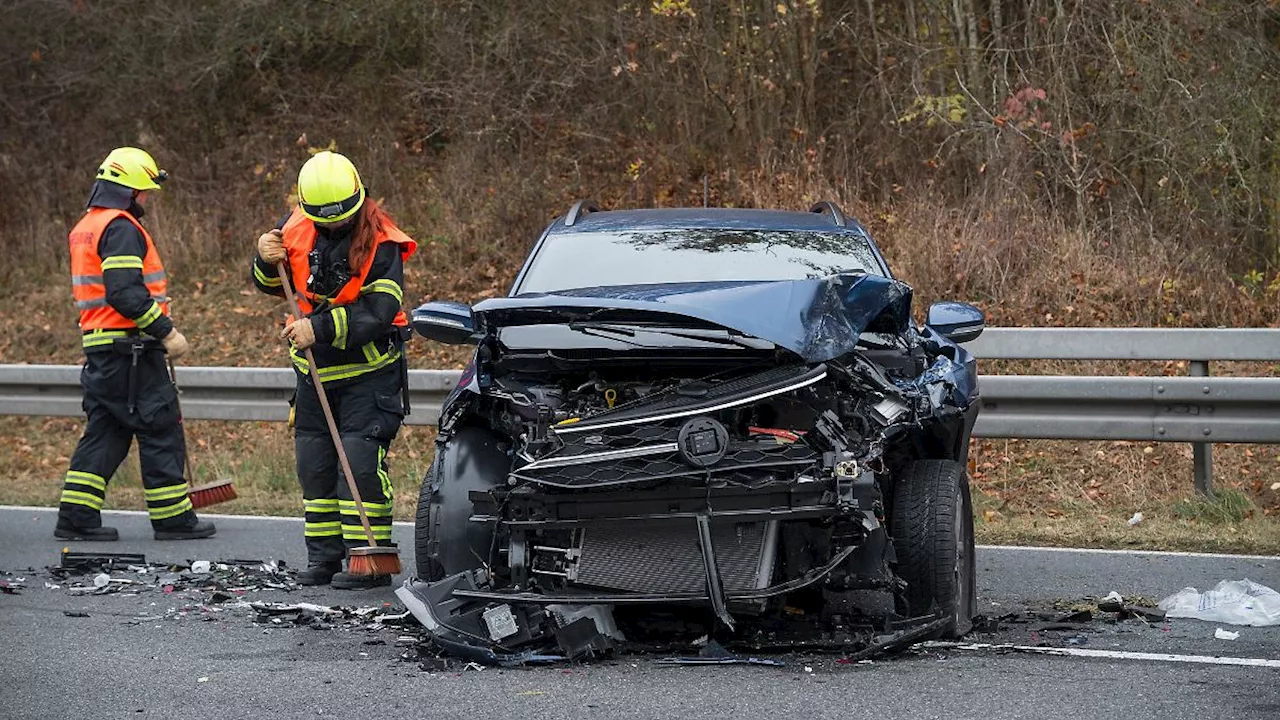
121,292
339,259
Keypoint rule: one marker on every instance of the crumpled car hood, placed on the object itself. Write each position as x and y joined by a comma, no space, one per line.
819,319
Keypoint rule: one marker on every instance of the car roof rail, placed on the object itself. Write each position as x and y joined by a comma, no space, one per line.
580,208
826,206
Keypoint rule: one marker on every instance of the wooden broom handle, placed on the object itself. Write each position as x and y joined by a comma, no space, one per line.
296,311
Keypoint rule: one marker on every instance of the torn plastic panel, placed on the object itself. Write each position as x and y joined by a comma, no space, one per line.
492,632
818,319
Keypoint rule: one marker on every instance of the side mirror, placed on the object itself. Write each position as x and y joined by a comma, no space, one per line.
445,321
956,321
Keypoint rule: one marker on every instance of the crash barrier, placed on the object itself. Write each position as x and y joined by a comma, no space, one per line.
1198,409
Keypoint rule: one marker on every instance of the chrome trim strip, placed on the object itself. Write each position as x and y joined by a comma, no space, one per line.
600,456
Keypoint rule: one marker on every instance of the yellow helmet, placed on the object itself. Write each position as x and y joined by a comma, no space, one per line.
132,168
329,188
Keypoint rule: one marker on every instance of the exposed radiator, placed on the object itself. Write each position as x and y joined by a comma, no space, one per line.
663,557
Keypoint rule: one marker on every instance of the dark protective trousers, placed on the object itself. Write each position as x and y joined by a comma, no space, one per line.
368,411
111,428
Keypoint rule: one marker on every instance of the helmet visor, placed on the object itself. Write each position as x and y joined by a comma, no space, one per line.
333,212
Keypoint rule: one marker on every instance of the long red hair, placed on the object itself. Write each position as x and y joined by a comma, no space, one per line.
369,222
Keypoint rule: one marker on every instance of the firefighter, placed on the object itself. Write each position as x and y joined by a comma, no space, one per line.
120,289
345,259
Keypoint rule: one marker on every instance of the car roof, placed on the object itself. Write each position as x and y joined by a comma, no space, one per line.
713,218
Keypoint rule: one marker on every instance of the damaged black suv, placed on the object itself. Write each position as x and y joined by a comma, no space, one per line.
699,420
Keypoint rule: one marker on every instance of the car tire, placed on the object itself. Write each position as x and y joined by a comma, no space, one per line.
932,529
446,542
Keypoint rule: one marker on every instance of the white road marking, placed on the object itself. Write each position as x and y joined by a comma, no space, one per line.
1107,551
407,524
1105,654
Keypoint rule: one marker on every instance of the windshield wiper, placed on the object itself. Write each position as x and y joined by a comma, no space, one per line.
720,337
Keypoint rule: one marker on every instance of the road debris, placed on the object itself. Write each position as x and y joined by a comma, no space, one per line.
1221,634
326,617
1137,518
1234,602
80,573
713,653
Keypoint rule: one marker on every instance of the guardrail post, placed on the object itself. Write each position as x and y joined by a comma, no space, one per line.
1202,452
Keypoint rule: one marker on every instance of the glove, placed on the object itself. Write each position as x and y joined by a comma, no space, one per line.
300,333
271,247
175,343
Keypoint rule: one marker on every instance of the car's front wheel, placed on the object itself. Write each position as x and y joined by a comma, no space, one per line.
445,540
932,528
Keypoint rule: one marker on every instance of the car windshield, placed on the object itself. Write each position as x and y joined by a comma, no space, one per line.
646,257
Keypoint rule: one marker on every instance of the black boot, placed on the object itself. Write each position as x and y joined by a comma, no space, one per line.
347,581
319,573
66,531
198,529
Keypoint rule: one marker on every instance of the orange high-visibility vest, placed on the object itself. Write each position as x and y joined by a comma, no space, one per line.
87,286
300,238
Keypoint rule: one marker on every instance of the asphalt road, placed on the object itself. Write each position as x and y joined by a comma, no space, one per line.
134,657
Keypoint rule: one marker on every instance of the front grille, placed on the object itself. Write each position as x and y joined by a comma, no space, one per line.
639,442
664,557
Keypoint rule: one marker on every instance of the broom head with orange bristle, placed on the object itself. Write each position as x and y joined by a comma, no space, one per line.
211,493
380,560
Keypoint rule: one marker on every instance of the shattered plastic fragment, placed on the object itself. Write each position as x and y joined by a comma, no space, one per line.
1112,602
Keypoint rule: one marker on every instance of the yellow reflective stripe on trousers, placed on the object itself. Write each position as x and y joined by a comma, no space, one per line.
169,511
148,317
97,338
390,287
340,326
82,498
80,477
122,262
344,372
167,492
322,505
323,529
266,280
356,532
348,507
388,492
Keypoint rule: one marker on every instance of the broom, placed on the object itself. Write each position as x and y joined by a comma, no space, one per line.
209,493
371,559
